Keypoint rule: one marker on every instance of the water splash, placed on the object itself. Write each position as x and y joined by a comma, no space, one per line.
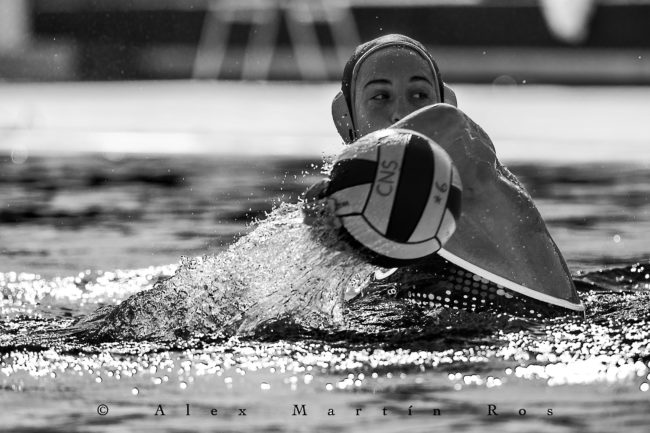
283,270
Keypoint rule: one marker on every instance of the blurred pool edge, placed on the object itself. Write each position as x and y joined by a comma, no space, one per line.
528,123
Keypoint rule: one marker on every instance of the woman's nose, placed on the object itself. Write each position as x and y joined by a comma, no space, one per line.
400,110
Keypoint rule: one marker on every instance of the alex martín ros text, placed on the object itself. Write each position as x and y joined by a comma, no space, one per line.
306,410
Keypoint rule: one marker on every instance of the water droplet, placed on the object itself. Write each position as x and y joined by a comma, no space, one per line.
504,80
157,380
182,385
265,386
19,155
644,387
329,387
98,379
308,378
135,391
617,238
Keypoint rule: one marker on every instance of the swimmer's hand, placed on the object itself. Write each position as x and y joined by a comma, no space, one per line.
317,191
313,201
317,207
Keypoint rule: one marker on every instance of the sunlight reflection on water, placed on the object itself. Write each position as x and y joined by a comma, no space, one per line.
82,231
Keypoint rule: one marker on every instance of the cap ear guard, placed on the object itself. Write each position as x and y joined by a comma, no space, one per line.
449,96
343,120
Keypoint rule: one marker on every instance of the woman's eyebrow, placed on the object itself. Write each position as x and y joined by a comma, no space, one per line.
377,81
419,78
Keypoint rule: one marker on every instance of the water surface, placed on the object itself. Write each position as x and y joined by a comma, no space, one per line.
82,231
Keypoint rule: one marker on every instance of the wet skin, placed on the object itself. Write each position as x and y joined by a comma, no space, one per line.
390,84
500,228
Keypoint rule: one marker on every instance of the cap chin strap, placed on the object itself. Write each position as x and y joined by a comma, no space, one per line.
343,120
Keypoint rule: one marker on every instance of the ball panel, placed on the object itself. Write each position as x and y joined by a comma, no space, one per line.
382,196
413,189
354,152
455,179
447,226
455,195
351,172
351,200
436,201
364,233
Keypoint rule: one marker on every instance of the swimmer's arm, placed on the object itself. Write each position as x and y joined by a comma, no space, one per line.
454,131
312,201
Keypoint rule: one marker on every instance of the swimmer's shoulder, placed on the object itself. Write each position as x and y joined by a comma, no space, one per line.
436,119
448,125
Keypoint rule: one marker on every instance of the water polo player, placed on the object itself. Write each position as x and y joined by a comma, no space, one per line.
385,80
501,254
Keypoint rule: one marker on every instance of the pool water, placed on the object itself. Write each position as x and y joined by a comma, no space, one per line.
82,231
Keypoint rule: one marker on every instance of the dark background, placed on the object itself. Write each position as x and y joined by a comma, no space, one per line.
476,41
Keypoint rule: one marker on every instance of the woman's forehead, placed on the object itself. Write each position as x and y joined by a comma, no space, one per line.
393,62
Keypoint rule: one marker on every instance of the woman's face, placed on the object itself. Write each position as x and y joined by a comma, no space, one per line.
391,83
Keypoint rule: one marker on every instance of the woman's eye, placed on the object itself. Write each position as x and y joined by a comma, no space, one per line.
421,95
379,97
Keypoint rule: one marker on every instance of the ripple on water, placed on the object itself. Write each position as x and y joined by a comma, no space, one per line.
304,344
